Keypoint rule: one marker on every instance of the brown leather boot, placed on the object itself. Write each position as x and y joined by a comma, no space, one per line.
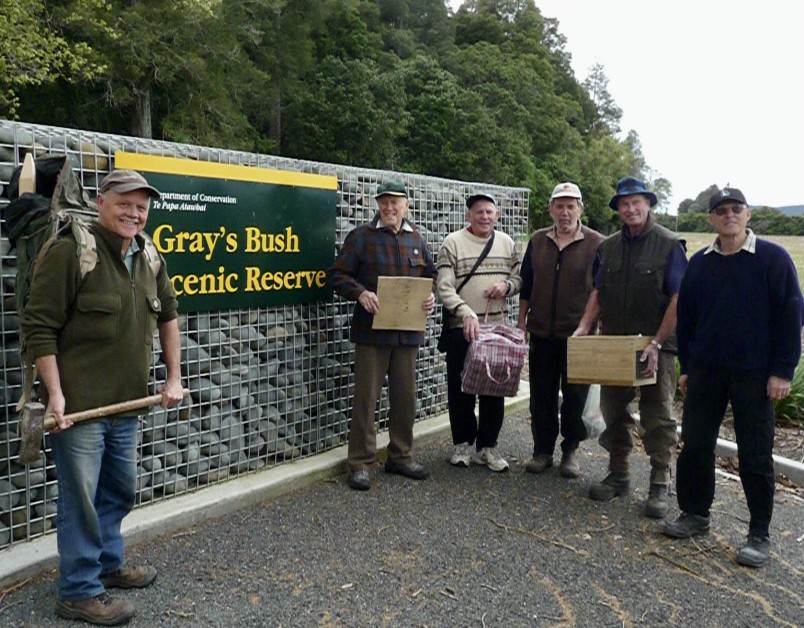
103,610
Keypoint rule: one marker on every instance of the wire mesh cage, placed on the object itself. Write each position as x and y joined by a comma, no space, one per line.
267,384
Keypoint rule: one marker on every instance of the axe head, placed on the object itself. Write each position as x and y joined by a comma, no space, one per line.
32,430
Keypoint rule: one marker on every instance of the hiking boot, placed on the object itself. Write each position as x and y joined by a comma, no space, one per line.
359,480
129,577
488,456
569,464
461,455
613,485
756,551
539,463
686,525
103,610
656,507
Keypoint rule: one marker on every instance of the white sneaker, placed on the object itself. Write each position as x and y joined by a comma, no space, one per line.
461,455
489,457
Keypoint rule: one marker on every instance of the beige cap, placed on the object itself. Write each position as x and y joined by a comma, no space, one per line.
566,189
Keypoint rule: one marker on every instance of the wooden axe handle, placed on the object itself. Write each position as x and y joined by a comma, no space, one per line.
115,408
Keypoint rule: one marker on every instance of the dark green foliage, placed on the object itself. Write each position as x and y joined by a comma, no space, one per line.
486,94
790,410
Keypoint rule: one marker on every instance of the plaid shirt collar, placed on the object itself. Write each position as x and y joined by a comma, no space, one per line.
749,246
376,223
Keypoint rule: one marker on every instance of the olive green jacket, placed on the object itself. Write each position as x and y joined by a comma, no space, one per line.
100,329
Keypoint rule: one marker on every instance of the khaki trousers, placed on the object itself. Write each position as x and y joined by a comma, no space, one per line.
656,417
372,364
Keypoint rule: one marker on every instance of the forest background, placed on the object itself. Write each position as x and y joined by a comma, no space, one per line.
483,94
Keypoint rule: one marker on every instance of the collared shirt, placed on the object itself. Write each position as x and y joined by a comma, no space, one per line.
128,258
749,246
577,234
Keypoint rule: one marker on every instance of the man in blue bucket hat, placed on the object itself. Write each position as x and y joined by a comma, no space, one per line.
637,278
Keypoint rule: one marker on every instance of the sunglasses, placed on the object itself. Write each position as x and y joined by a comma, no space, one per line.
722,210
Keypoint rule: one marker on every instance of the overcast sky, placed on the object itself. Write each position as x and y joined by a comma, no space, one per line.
714,88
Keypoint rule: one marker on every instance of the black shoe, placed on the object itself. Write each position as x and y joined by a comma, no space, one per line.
412,470
686,525
756,551
359,480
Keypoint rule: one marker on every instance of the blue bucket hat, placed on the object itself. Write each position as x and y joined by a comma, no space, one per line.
628,186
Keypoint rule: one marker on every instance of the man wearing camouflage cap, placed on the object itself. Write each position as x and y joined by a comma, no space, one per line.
91,337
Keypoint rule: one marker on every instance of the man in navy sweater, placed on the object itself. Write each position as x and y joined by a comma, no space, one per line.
739,339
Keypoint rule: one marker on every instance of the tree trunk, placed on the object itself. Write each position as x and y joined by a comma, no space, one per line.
143,123
275,120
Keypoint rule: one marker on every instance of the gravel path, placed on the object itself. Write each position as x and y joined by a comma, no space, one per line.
466,548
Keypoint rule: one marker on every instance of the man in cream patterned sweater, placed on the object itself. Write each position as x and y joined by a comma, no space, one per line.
466,296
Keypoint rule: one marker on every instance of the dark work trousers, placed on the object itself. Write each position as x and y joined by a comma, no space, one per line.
548,372
708,392
462,420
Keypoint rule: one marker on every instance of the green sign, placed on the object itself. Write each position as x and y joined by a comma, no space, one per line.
237,236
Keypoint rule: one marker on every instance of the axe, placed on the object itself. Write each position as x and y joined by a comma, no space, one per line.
34,423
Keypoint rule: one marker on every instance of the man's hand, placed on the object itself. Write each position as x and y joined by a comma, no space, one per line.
651,356
55,408
471,328
428,305
496,290
778,387
172,394
370,302
581,330
682,384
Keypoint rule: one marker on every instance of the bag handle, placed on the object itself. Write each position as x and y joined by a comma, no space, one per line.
506,380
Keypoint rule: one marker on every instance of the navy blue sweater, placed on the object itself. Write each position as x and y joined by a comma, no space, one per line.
741,312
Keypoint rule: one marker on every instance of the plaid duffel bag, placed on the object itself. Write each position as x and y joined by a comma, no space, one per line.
494,362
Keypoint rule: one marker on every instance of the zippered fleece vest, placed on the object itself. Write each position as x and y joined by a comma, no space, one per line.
632,297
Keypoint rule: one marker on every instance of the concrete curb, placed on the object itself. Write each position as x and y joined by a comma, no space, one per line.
792,470
28,559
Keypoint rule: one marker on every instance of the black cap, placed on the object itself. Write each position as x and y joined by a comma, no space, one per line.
482,195
726,194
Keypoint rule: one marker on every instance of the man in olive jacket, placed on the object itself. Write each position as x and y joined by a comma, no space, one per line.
91,338
636,290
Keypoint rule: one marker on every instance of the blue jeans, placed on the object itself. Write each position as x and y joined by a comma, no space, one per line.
97,473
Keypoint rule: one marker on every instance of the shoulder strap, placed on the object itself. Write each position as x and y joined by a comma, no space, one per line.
479,261
151,253
87,247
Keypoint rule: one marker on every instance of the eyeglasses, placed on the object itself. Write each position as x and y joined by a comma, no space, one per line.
722,210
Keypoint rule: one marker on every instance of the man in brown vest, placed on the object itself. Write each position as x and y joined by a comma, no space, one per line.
557,280
636,288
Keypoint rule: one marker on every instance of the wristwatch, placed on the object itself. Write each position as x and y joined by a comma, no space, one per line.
658,345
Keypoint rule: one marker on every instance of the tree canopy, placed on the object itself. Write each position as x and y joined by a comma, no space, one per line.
484,94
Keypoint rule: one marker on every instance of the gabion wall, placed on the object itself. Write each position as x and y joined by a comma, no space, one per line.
268,384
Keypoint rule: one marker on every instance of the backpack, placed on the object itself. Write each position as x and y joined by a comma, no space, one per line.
56,206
